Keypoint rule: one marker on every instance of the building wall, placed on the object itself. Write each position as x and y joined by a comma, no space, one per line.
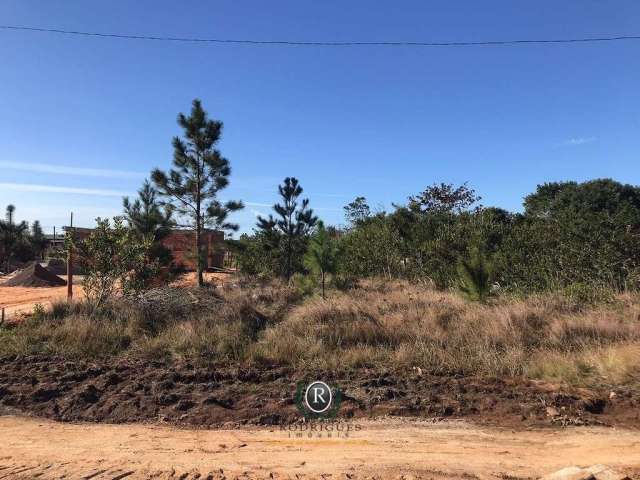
181,243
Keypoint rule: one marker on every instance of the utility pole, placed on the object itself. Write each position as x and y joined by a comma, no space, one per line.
70,262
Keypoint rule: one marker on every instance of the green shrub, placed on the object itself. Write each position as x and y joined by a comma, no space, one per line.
584,294
475,277
116,255
38,311
305,285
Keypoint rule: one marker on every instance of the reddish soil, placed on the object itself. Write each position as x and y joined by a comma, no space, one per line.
122,391
20,301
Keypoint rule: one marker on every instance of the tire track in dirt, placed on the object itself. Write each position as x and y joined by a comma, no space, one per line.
64,470
57,472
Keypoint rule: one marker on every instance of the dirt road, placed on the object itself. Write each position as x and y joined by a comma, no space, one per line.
21,300
32,448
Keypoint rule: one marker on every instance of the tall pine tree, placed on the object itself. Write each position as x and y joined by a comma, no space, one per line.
200,172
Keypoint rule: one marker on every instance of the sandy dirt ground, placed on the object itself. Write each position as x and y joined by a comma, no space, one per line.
32,448
190,279
19,301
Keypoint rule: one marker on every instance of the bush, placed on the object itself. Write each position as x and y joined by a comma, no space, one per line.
372,249
305,285
115,256
256,255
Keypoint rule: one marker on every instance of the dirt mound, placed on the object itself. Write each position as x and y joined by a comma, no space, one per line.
34,275
123,391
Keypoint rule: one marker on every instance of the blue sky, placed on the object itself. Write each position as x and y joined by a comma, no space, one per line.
85,119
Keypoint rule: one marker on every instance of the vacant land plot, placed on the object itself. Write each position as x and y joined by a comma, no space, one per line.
382,325
407,359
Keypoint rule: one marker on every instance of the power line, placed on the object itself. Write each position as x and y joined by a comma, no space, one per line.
163,38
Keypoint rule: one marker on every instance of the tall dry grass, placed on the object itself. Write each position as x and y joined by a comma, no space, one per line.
399,325
393,325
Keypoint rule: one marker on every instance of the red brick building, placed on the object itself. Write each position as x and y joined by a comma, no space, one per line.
181,243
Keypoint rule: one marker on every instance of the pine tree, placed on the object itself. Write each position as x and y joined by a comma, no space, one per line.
148,218
37,239
146,215
11,234
322,255
294,222
200,173
475,276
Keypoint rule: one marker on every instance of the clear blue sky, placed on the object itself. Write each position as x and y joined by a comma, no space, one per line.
383,122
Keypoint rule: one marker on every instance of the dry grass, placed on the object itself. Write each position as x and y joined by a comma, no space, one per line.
401,325
611,365
380,324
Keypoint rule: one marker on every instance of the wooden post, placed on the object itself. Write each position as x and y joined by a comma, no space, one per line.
70,263
2,318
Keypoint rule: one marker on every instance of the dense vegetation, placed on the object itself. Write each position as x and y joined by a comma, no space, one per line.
575,236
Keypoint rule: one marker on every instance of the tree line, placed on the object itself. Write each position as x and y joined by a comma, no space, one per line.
569,235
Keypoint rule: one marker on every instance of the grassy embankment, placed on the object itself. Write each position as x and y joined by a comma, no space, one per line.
379,324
